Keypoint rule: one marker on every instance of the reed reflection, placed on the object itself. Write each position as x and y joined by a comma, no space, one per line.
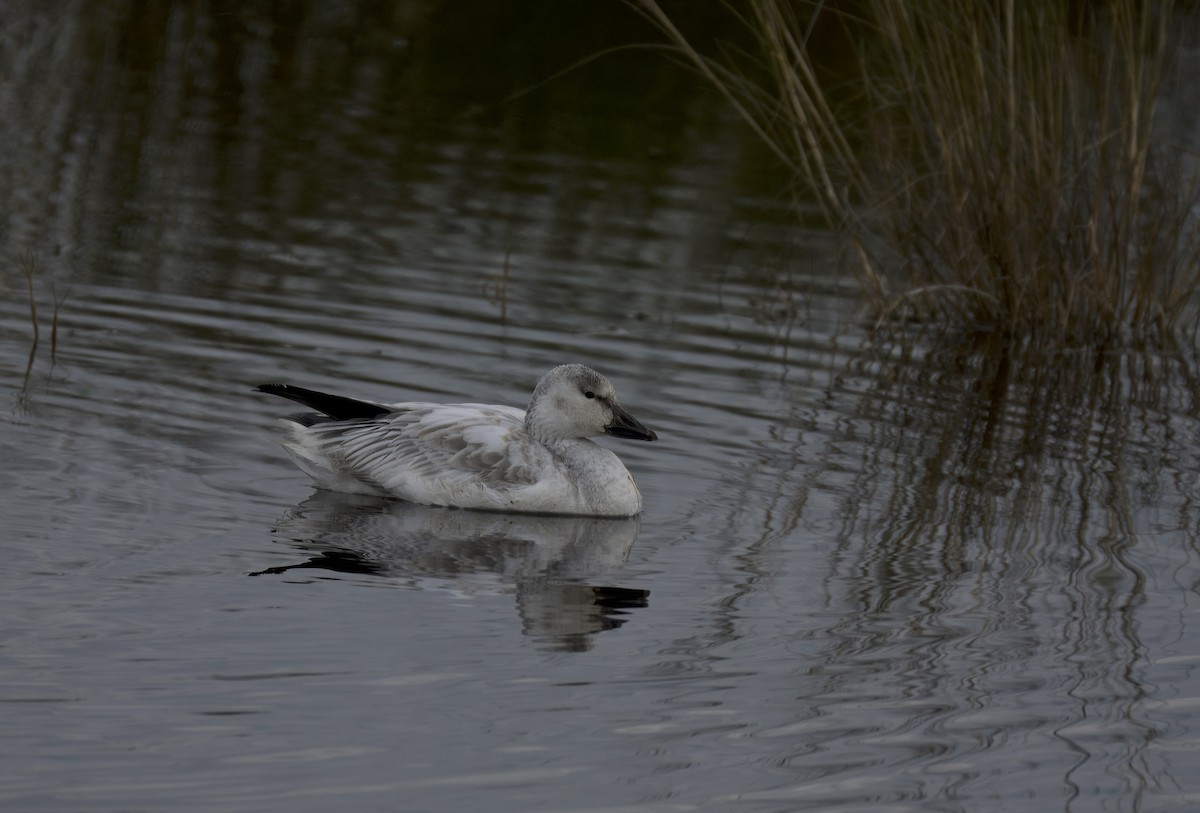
1003,520
198,139
1000,452
553,565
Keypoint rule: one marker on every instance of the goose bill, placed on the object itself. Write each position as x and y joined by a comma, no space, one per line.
625,425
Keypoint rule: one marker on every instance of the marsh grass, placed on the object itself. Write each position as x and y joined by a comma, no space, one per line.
33,272
988,164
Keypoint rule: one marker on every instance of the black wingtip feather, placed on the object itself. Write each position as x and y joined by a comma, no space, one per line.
336,407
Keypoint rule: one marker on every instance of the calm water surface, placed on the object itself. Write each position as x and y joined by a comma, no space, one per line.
874,573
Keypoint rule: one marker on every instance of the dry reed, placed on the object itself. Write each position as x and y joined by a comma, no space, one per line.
999,165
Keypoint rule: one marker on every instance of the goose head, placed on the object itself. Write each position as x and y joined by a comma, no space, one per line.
572,401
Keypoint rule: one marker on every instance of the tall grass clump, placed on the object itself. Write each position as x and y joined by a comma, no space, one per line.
989,162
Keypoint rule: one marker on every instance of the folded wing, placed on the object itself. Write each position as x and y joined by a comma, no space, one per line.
461,454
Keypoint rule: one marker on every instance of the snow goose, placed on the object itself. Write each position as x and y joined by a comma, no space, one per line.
539,460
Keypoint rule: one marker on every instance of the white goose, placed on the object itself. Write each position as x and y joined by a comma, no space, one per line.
474,455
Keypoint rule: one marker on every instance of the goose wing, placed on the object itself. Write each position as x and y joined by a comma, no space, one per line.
432,452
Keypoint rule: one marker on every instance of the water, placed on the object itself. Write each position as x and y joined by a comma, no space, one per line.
887,575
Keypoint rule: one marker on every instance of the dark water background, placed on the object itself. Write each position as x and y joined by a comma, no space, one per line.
874,573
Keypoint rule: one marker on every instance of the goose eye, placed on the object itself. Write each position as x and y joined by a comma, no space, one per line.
589,394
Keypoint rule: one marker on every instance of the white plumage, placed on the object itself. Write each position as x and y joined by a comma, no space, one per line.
501,458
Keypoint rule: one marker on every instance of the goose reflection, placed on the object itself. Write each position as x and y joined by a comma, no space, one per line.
552,563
